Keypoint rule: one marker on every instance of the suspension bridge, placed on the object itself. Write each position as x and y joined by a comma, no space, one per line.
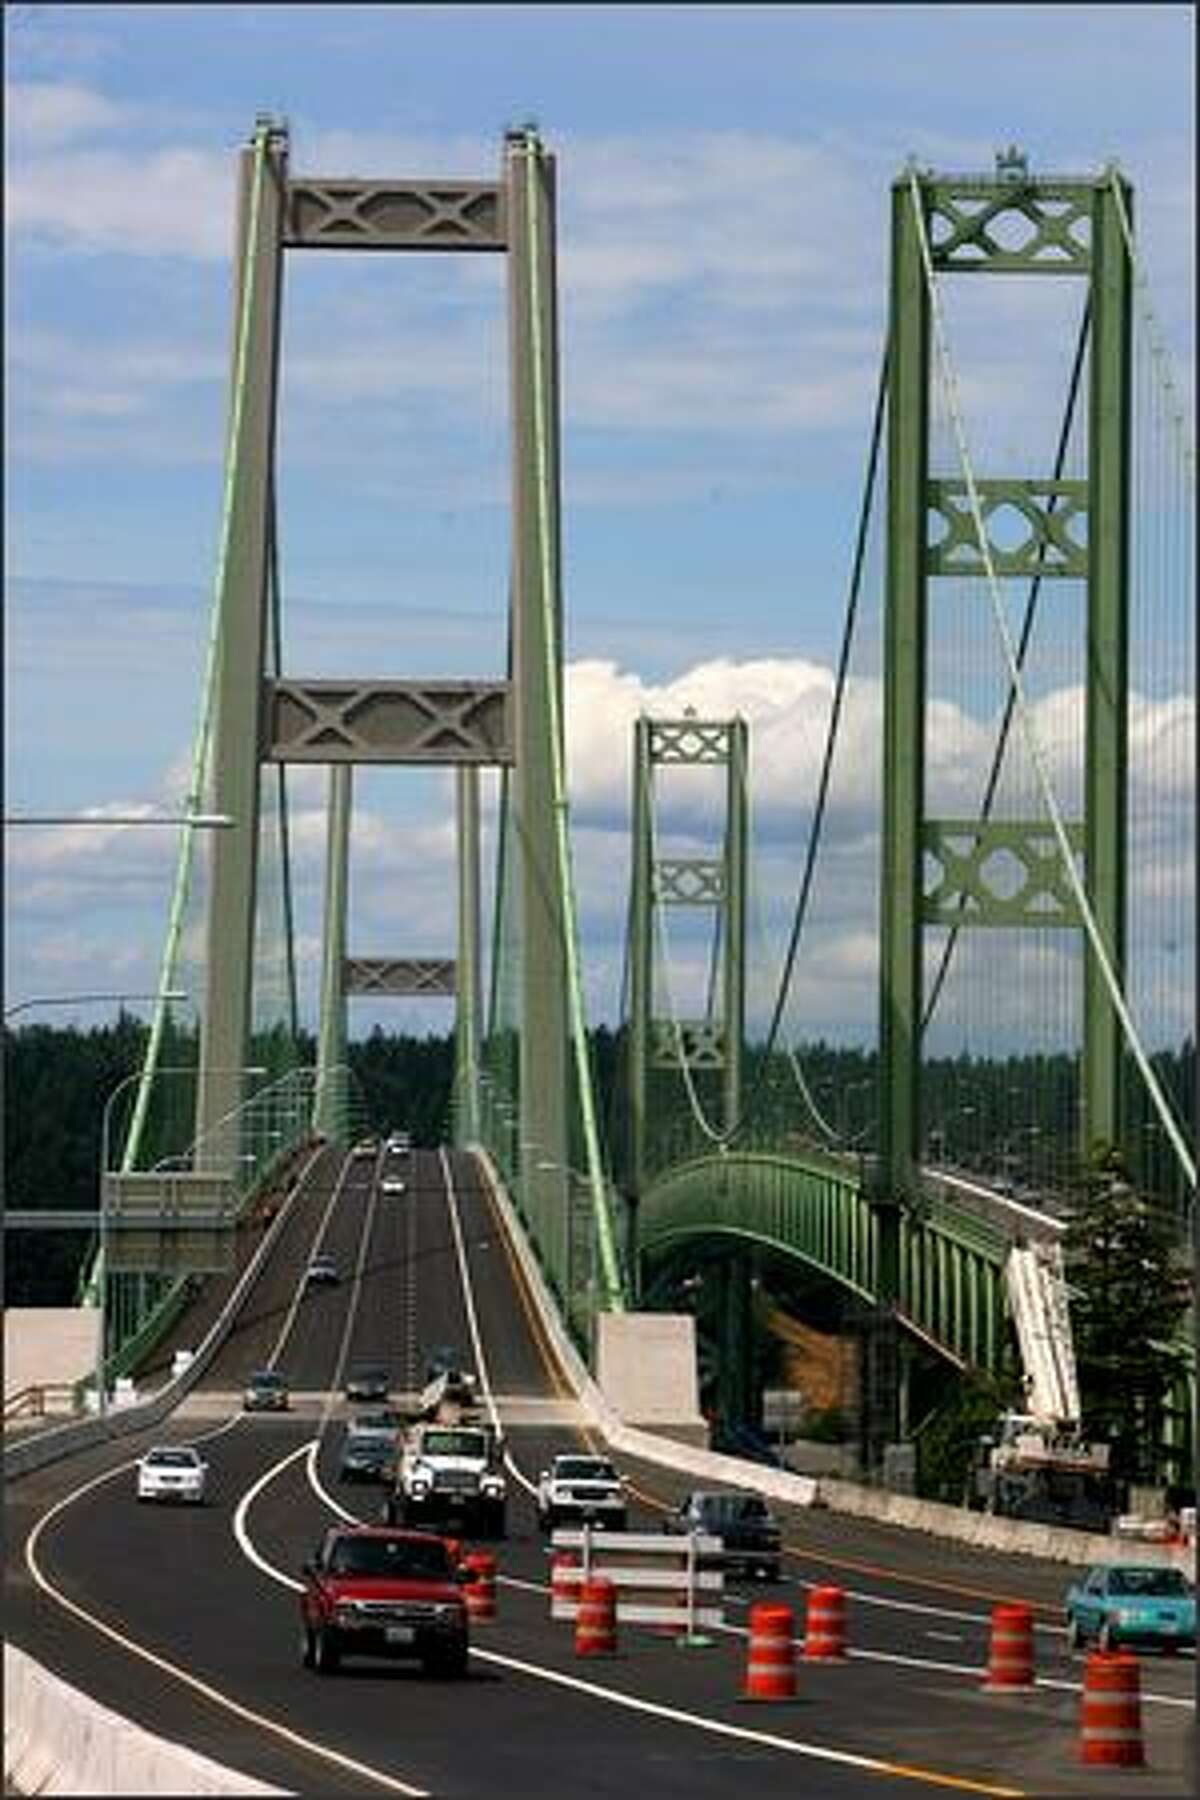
1008,735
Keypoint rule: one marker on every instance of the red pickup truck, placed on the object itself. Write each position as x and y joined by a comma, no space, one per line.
376,1591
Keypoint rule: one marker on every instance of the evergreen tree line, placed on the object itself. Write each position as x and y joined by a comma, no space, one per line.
1131,1284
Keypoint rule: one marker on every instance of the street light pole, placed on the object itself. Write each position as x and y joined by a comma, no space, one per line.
102,1229
88,1000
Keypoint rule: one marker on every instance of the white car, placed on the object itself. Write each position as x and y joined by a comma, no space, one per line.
392,1184
172,1472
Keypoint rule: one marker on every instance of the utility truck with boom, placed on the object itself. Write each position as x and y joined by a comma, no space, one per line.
1037,1464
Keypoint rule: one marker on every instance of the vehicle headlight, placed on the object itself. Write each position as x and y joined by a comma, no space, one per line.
1124,1615
346,1615
419,1486
493,1485
451,1613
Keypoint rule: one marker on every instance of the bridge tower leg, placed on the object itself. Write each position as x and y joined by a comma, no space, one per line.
241,623
736,1399
718,882
537,690
960,216
515,725
466,1019
330,1109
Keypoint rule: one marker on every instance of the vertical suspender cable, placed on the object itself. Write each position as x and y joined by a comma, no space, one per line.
1031,604
1049,798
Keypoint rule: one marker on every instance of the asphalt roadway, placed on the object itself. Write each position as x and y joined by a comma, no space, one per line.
187,1620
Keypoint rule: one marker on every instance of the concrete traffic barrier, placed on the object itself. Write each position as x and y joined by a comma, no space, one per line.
60,1741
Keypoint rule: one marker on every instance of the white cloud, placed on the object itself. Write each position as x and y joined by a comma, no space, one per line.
46,114
169,202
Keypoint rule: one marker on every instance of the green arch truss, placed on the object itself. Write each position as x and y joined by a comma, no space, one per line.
820,1211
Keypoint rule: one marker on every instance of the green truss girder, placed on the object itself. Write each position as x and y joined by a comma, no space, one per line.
1047,509
951,1262
697,1044
1027,227
688,740
966,857
689,881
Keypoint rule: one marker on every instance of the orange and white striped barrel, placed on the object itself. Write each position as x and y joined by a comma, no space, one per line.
825,1625
771,1661
1110,1719
480,1594
1010,1658
596,1618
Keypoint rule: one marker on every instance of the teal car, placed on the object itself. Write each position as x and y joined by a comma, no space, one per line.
1123,1604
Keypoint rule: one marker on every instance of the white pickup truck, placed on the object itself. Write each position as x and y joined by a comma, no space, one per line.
581,1490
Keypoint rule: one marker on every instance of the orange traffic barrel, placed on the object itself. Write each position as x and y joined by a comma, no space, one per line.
825,1625
1110,1720
771,1662
596,1618
480,1594
1010,1659
565,1576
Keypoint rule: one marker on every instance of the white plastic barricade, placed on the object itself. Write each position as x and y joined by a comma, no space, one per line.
665,1579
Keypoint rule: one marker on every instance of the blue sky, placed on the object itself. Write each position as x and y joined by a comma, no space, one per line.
724,180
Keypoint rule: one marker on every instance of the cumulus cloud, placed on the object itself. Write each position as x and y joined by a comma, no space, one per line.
403,846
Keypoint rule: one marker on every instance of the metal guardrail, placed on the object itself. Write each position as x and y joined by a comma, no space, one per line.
32,1402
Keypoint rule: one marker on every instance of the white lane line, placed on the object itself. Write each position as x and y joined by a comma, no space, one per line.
473,1324
238,1522
260,1720
322,1492
673,1715
793,1746
974,1673
290,1316
360,1263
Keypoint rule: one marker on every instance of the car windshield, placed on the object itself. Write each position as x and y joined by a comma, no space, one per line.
172,1459
585,1468
454,1443
1161,1583
390,1557
728,1507
369,1375
266,1381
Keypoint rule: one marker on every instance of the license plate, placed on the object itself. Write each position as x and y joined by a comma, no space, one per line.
399,1634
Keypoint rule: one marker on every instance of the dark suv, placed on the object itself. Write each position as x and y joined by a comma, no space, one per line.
748,1530
374,1591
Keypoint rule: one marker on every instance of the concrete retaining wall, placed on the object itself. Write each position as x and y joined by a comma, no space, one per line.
48,1345
59,1741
